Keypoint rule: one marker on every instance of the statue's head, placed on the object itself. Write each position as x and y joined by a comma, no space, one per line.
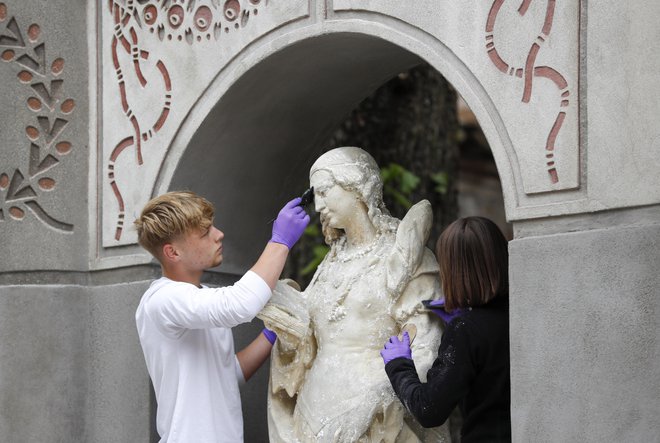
354,170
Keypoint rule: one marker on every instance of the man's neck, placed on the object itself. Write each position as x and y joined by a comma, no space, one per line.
174,274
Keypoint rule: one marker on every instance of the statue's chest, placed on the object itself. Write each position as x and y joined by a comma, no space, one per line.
354,287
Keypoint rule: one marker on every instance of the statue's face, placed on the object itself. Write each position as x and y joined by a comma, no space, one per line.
335,205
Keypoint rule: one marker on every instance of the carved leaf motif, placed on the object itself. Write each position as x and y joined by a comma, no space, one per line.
57,66
32,57
15,40
32,133
38,165
7,55
33,32
51,132
16,213
46,218
34,104
15,192
46,183
63,148
39,65
25,77
67,106
49,96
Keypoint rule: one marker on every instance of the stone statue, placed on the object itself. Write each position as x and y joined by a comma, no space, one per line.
327,381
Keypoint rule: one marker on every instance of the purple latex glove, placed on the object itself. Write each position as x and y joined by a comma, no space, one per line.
395,348
290,224
438,308
271,336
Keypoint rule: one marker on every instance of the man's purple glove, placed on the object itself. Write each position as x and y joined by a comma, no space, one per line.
395,348
290,224
438,308
271,336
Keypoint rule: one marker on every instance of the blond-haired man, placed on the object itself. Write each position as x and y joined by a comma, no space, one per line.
185,327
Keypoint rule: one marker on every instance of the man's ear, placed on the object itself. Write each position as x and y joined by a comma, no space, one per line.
170,253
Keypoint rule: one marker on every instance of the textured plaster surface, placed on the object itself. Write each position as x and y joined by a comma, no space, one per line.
584,335
70,364
623,104
118,404
43,376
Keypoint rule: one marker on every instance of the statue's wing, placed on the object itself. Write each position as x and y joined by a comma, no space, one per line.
409,246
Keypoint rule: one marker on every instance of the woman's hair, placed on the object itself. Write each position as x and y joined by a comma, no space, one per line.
355,170
474,262
169,216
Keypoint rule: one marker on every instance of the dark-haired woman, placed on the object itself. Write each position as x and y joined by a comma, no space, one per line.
472,367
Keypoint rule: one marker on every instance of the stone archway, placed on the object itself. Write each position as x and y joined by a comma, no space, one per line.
527,182
265,130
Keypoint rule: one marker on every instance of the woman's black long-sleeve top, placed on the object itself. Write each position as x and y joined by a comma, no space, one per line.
472,370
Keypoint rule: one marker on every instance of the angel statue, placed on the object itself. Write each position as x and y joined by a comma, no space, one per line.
327,382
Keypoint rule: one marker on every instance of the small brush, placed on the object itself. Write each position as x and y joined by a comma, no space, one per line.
306,199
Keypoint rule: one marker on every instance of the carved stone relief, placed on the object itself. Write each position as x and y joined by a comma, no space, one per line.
24,188
159,56
529,72
525,76
143,76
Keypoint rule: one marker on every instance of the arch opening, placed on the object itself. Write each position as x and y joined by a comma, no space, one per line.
252,150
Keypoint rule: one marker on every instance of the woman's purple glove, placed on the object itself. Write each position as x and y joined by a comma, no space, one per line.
290,224
271,336
394,348
438,308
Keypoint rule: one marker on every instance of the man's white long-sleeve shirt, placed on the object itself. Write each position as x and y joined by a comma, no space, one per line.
185,333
